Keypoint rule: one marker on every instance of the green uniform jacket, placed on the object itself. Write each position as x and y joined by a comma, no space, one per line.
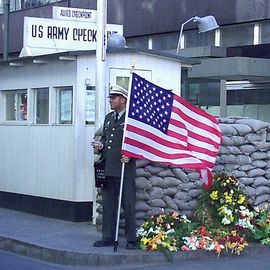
112,140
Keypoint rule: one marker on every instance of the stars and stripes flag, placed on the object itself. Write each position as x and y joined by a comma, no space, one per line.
163,127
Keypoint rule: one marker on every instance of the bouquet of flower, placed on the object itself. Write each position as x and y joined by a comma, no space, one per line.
164,232
202,239
223,203
233,242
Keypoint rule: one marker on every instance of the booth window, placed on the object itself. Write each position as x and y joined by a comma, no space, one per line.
16,105
64,105
41,109
90,104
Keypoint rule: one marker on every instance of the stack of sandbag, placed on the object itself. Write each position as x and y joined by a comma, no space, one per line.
161,188
245,152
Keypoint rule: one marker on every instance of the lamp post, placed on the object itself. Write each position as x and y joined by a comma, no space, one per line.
100,62
205,24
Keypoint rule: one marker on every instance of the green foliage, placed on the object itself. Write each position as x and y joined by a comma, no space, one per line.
262,226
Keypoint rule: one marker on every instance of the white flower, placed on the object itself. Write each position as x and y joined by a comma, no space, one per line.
225,221
141,232
170,231
245,223
185,219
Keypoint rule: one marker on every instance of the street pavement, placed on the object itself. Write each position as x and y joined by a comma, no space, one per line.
69,243
12,261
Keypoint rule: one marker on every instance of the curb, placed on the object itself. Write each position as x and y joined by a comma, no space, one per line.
115,258
78,258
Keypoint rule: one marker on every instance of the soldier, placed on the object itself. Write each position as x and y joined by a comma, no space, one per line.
110,149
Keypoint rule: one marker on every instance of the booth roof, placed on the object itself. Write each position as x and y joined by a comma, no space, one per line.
184,60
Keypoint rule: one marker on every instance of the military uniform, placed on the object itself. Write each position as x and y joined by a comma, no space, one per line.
111,154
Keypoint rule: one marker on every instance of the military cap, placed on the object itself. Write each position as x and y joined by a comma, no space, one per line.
116,90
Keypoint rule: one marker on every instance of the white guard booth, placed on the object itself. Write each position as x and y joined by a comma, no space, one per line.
47,122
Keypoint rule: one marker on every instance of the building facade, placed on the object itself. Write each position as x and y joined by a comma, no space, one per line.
244,32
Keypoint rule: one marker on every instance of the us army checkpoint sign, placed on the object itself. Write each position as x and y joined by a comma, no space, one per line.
63,35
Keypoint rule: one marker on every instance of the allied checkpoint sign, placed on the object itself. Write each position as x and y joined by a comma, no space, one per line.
42,36
74,14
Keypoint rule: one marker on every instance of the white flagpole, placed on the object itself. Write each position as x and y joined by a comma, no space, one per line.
119,208
123,170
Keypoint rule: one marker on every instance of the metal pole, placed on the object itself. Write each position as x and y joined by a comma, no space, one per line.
6,29
119,208
181,33
100,62
223,98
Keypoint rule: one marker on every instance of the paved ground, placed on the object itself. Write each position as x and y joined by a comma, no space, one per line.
64,242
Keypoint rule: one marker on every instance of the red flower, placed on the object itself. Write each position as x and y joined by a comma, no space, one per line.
203,231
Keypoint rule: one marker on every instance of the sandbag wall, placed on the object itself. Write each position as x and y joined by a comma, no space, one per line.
244,152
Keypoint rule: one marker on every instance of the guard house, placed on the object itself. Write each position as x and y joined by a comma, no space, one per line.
47,122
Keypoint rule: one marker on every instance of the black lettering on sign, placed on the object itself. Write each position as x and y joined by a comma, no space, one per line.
75,35
54,32
37,31
65,13
94,34
109,33
84,35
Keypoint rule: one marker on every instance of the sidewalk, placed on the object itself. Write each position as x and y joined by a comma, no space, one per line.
71,243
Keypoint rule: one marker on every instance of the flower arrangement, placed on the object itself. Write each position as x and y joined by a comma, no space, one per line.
223,203
202,239
162,232
225,210
262,225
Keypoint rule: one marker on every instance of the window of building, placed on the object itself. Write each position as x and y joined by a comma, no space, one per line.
41,106
237,35
249,100
195,39
1,6
25,4
138,42
202,93
122,81
64,105
164,42
90,104
265,32
15,5
16,105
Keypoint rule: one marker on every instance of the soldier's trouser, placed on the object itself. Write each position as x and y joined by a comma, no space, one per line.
110,195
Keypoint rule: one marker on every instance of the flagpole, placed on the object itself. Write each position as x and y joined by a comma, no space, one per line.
119,208
123,168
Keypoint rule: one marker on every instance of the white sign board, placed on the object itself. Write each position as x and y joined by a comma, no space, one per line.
63,35
74,14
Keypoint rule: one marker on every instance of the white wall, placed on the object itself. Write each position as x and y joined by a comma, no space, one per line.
38,159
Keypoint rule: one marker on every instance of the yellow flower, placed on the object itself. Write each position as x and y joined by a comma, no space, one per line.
214,195
145,240
241,199
228,197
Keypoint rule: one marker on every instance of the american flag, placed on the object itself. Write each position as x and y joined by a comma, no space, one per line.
163,127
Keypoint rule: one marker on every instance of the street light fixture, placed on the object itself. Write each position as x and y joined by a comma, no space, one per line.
205,24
